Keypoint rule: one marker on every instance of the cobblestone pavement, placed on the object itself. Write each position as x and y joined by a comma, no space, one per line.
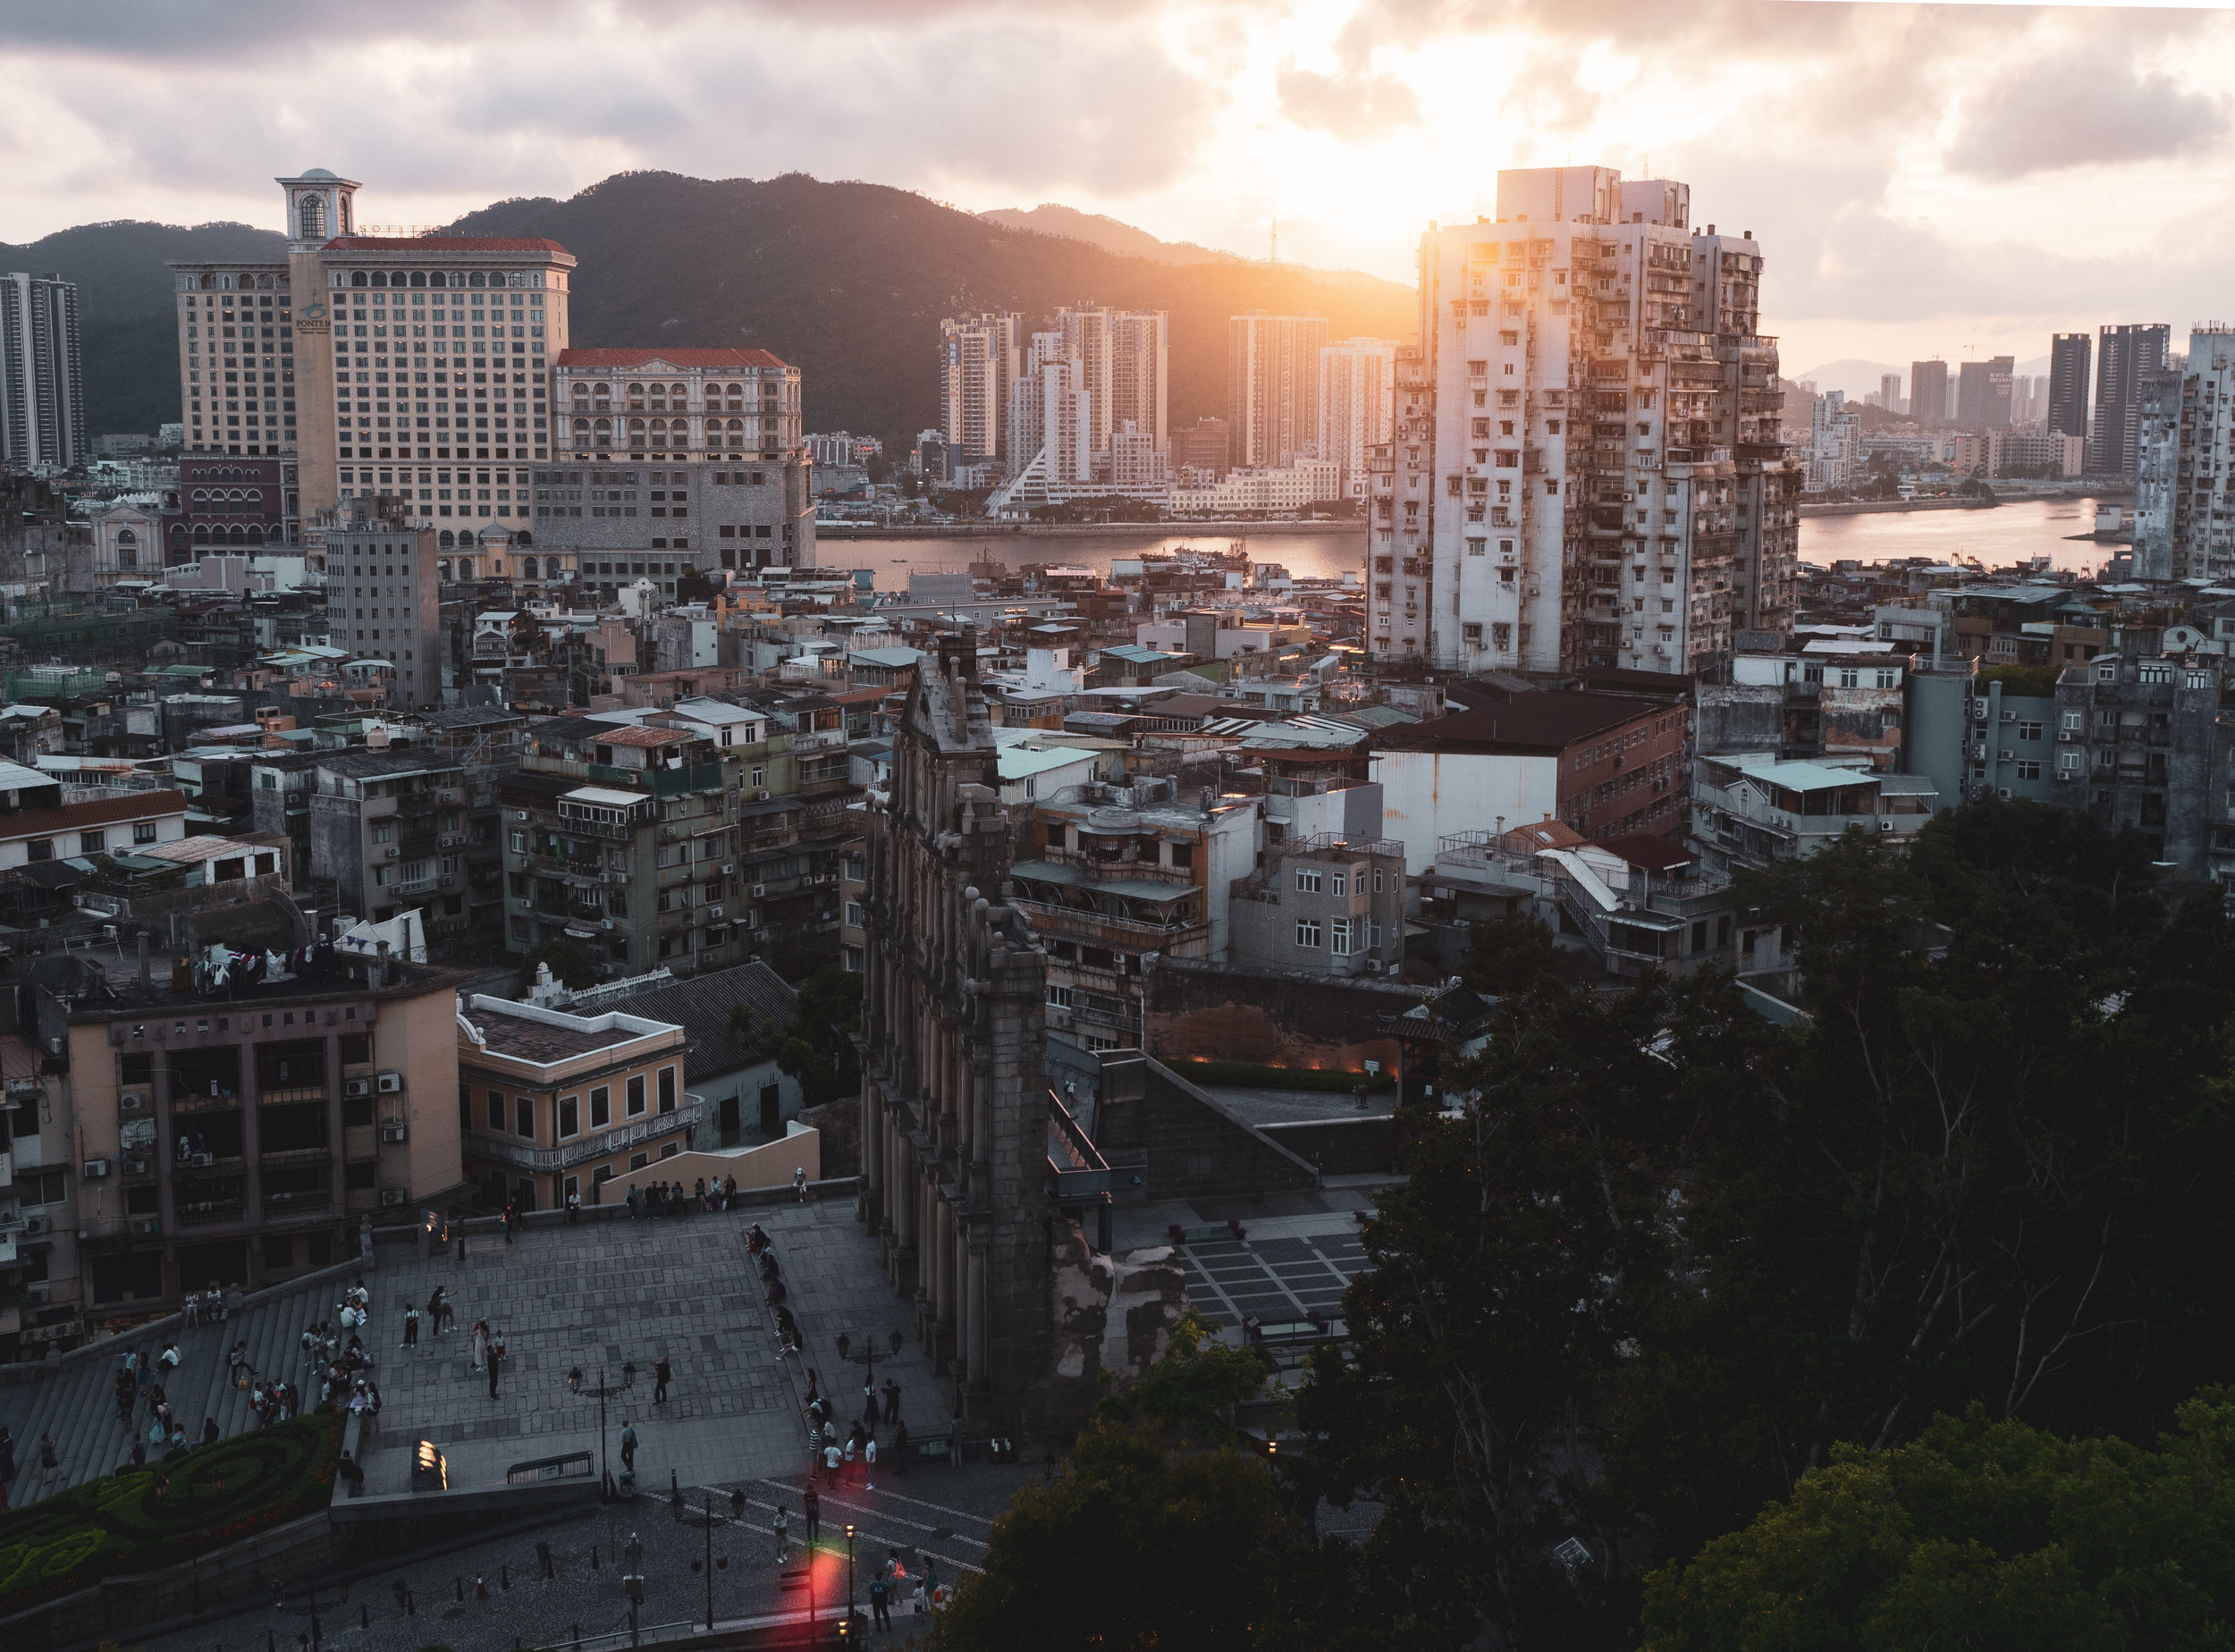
616,1292
939,1512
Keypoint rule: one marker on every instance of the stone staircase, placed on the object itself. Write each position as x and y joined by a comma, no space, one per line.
74,1400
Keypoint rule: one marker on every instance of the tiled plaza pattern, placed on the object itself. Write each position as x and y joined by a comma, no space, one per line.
1271,1279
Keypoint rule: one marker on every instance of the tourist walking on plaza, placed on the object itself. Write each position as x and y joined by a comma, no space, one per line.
496,1361
811,1507
782,1525
477,1340
574,1208
799,1182
661,1377
892,1401
879,1594
411,1325
628,1443
869,1461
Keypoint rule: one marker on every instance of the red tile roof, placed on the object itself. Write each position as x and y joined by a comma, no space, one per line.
443,243
642,737
676,358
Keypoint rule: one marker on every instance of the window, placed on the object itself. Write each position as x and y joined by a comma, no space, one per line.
569,1122
853,917
93,842
1059,998
636,1096
496,1109
143,831
1308,883
666,1090
41,849
1338,938
1377,879
601,1107
2073,721
1342,884
2029,770
1307,932
524,1124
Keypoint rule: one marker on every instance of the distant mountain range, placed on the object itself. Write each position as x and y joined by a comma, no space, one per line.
847,280
1047,218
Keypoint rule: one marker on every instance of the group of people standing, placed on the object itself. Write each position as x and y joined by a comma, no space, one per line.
673,1198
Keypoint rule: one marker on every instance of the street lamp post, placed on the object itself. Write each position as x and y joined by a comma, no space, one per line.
600,1393
634,1583
850,1576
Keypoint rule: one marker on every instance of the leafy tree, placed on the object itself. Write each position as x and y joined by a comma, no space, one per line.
817,1046
569,963
1981,1533
1186,1390
1130,1547
1510,954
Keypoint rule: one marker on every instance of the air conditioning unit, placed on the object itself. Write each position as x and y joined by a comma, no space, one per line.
1980,711
2007,755
135,1166
355,1087
203,1160
761,796
2003,792
95,1169
40,1293
759,889
132,1101
395,1195
730,871
390,1084
1886,825
395,1132
394,853
2066,734
2010,717
713,911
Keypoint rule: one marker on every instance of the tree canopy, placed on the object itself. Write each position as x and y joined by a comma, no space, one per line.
816,1045
1673,1257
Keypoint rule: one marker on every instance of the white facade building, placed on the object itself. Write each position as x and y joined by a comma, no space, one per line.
1357,401
1835,456
979,358
1585,468
42,385
1273,387
2184,491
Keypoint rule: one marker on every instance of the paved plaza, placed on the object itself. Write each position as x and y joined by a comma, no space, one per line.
613,1293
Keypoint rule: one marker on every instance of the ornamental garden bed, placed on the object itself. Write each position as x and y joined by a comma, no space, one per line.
186,1504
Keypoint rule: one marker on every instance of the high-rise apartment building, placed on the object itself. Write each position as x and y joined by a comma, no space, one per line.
2123,355
1050,418
1140,373
2068,382
979,358
42,385
1202,445
1586,470
2184,491
1983,394
1890,391
1357,399
1273,387
413,347
1929,392
382,602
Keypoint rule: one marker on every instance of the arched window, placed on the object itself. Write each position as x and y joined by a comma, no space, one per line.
636,432
446,540
418,278
465,568
201,533
239,534
254,495
478,280
679,391
581,392
527,567
256,535
357,278
582,429
125,536
604,428
201,496
523,538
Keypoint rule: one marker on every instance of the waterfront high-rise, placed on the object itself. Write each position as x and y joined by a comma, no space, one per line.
2123,355
1983,394
2069,362
1890,391
42,385
1585,468
1357,394
1139,375
1929,392
979,358
1273,387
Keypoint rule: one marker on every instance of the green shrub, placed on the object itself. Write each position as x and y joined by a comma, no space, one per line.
144,1519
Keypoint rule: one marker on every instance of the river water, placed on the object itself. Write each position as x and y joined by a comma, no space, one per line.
2000,537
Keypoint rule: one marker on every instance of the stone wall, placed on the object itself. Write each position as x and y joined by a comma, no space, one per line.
1200,1011
1342,1146
1113,1320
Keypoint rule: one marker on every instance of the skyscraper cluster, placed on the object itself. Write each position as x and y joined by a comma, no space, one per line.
1585,469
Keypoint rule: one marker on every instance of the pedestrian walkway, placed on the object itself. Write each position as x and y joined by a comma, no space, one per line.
75,1401
607,1295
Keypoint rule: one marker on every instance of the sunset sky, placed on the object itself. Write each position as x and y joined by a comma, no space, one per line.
1924,178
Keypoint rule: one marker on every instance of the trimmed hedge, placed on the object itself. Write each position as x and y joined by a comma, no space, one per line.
1332,1079
145,1519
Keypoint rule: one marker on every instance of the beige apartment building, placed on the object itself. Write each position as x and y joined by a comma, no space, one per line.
551,1104
197,1134
371,348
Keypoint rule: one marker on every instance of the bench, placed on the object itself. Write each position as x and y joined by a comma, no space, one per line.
1208,1233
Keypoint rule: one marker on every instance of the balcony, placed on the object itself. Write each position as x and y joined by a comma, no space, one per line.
595,1144
199,1100
204,1213
279,1207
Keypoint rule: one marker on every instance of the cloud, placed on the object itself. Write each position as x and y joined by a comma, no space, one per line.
2080,108
1350,105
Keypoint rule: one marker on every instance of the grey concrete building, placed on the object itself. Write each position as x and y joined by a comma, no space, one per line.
618,522
2122,356
388,832
1322,905
383,599
42,382
2184,491
2139,743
